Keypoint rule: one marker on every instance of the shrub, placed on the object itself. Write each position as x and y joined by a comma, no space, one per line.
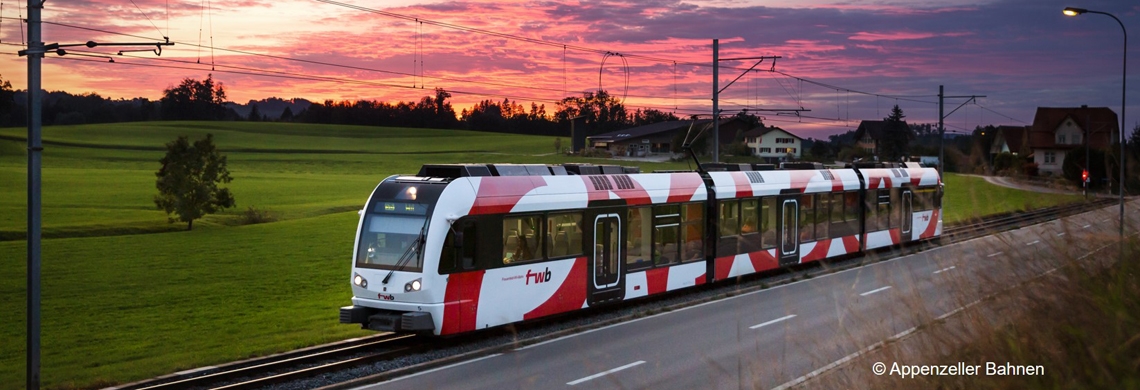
253,215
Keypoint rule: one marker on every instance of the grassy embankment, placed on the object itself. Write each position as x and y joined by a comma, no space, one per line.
120,306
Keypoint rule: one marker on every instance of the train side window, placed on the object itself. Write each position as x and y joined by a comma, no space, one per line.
822,220
872,211
639,239
449,256
693,228
521,238
459,248
851,211
768,222
807,218
896,203
729,217
883,202
666,234
749,216
927,196
838,228
562,231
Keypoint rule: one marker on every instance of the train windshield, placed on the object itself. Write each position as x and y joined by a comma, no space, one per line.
392,236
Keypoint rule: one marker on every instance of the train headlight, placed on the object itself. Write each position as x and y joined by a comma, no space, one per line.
413,286
359,281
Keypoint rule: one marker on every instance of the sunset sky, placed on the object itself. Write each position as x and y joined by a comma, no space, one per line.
1021,54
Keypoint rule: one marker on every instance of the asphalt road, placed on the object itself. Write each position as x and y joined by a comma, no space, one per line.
772,337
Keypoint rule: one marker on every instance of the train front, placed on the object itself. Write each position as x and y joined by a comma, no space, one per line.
396,243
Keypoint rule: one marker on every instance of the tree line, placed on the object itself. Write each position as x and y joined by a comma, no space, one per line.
206,99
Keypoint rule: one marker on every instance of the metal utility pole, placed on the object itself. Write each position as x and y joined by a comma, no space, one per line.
717,90
35,53
716,101
942,129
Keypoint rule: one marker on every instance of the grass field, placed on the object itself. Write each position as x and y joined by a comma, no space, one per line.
120,306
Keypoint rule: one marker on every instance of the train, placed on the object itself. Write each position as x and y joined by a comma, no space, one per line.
462,247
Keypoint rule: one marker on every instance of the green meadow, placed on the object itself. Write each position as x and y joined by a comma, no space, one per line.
128,296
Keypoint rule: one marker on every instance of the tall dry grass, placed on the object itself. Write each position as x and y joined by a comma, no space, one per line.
1066,304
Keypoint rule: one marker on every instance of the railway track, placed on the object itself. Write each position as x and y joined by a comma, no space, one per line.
289,366
330,358
999,223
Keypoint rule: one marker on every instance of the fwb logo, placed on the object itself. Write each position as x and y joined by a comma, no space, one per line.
538,277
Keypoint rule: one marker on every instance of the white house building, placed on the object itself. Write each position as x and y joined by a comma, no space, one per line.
774,144
1056,131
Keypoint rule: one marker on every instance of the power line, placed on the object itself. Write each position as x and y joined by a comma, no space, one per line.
502,35
298,76
1000,114
830,86
284,58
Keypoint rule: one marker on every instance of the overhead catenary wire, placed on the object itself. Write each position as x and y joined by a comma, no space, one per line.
798,96
284,58
148,19
794,96
250,71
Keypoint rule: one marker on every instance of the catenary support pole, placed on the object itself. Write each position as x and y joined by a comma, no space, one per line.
716,101
35,53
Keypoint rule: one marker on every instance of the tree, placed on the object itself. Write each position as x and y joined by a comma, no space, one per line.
820,149
287,115
194,100
7,102
1134,141
601,112
188,180
1097,165
893,145
255,114
651,116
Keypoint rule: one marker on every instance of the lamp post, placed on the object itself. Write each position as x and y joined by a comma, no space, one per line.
1073,11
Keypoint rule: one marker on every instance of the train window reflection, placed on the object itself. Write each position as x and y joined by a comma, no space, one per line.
521,238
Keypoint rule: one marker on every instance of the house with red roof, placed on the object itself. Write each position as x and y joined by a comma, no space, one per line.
1057,131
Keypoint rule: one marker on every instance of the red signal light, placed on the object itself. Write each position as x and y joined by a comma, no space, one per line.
1085,175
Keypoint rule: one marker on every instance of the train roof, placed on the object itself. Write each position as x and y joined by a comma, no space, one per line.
452,171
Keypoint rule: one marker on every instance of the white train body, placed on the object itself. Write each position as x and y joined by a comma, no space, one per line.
464,247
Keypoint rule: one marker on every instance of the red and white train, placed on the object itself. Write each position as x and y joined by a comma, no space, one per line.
458,248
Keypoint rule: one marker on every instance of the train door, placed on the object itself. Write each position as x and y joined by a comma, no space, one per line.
605,280
788,228
907,226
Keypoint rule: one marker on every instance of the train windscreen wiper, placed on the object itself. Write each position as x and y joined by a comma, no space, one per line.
407,256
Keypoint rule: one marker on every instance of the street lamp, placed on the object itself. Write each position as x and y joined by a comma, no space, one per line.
1073,11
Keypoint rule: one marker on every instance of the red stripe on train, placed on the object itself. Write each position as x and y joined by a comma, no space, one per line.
932,226
743,185
657,279
571,295
722,267
498,195
682,186
818,252
763,261
461,302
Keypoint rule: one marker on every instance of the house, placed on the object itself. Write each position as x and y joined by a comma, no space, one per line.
773,144
1011,139
1058,130
869,133
658,138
